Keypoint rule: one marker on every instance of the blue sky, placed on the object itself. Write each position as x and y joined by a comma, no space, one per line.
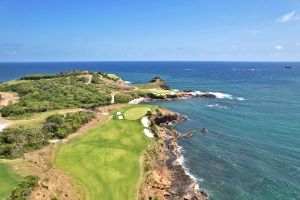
119,30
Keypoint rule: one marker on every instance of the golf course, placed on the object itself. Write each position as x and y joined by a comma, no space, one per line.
104,161
8,181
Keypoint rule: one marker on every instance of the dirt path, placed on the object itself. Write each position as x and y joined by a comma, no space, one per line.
4,123
53,182
90,79
112,101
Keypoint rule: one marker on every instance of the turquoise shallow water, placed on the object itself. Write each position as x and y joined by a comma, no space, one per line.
252,148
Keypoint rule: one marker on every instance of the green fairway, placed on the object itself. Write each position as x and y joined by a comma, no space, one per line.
136,113
8,181
105,160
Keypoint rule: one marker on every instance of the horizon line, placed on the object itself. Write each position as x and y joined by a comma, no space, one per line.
278,61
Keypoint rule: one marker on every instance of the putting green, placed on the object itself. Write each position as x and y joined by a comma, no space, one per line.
8,181
136,113
105,160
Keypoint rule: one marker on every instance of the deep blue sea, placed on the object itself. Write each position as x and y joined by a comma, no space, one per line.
252,148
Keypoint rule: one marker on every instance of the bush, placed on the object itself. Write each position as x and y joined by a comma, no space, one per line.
61,126
95,79
123,98
24,188
153,128
14,142
50,76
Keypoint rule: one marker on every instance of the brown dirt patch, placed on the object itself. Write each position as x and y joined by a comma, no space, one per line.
8,98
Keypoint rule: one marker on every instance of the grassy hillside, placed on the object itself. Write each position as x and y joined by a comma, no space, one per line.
57,93
105,160
8,181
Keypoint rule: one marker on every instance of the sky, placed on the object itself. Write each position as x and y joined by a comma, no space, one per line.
149,30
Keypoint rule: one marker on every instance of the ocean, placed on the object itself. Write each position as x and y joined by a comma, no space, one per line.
252,147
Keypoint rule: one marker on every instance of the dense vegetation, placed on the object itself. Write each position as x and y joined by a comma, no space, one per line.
49,76
24,188
124,98
61,126
49,94
14,142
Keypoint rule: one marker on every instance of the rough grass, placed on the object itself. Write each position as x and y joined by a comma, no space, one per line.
8,181
136,113
37,119
112,76
105,160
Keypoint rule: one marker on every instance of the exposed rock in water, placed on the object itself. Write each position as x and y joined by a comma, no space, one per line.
208,95
204,130
189,134
169,119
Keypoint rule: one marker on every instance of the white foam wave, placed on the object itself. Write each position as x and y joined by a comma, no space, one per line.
219,95
180,161
217,106
127,82
241,99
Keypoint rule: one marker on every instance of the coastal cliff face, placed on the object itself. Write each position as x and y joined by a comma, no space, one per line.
164,176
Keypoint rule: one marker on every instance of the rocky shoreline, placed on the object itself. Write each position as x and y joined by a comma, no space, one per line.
167,178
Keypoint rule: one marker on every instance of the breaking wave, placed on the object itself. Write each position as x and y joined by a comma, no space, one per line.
217,106
220,95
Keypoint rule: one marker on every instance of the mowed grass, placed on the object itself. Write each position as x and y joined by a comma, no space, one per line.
8,181
136,113
105,160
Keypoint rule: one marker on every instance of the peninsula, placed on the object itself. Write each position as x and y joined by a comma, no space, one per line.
84,135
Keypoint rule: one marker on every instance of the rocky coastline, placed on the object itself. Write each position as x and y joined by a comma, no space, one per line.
165,177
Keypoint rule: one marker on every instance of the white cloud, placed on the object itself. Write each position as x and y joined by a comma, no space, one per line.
291,16
278,47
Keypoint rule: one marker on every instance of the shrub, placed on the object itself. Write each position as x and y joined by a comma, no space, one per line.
153,128
123,98
24,188
95,79
14,142
61,126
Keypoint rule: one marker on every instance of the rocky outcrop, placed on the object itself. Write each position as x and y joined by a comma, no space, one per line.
162,84
164,177
169,119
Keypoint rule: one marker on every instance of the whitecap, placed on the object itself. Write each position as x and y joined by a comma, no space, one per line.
217,106
180,161
241,99
127,82
221,95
